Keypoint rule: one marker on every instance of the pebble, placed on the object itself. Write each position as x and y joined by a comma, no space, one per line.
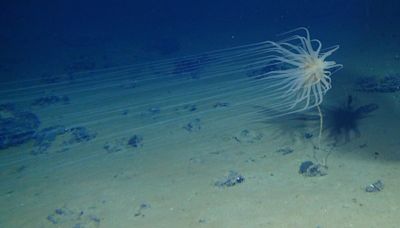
375,187
136,141
233,178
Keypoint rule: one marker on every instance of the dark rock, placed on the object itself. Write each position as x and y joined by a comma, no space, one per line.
45,137
49,134
304,166
193,126
115,146
136,141
64,217
202,221
16,127
94,218
308,135
248,136
387,84
375,187
221,104
233,178
81,134
50,100
59,211
309,169
285,151
52,219
142,207
190,107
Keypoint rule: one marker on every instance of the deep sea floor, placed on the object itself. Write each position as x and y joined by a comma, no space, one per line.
109,149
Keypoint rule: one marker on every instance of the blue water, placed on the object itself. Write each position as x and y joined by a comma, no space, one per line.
104,121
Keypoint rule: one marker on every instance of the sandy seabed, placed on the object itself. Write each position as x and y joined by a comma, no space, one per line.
169,181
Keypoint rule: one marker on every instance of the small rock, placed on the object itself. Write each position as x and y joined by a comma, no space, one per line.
248,136
375,187
233,178
221,104
50,100
190,107
308,135
193,126
136,141
309,169
113,147
285,151
16,127
81,134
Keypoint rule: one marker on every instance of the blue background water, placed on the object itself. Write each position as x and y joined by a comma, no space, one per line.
28,27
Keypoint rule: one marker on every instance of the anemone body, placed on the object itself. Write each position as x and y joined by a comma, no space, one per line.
302,75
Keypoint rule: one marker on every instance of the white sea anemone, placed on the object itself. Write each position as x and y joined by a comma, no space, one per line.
303,75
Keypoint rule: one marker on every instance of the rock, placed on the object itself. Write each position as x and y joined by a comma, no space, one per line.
193,126
81,134
190,107
308,135
248,136
65,217
136,141
115,146
233,178
375,187
285,151
221,104
387,84
50,100
16,127
304,166
45,137
309,169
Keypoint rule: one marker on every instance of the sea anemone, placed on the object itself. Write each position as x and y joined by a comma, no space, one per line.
303,75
